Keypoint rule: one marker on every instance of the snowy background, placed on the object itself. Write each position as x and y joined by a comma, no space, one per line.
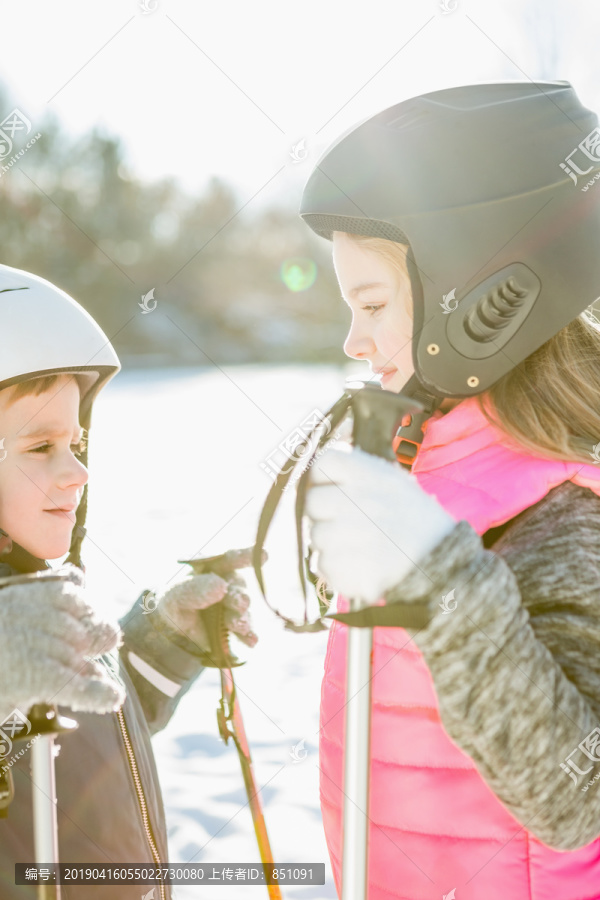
175,472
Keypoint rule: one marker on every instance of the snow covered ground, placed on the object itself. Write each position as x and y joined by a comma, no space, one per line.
175,472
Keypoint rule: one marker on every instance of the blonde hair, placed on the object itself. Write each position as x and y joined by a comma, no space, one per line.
390,251
549,400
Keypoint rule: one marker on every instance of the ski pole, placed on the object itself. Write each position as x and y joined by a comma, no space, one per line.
238,734
47,723
221,657
377,415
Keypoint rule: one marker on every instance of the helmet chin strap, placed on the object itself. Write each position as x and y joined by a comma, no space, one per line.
411,431
15,556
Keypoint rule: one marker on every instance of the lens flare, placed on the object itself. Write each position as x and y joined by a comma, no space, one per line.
298,274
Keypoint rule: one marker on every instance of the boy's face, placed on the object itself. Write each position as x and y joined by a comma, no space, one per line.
41,478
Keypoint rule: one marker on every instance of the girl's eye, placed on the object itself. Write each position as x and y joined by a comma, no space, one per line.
374,307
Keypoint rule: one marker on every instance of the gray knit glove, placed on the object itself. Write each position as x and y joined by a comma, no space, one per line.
48,631
181,605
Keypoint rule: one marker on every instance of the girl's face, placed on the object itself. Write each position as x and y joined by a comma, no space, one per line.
41,478
380,299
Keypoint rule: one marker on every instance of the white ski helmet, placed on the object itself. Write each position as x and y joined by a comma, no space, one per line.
43,331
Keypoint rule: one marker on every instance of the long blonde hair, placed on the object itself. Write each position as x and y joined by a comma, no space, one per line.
552,398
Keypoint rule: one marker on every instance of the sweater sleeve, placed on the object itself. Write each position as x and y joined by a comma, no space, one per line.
516,660
162,665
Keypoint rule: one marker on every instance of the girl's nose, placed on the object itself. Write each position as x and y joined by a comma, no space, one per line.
358,345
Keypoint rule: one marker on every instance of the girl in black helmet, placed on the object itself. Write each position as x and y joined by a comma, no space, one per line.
55,648
465,235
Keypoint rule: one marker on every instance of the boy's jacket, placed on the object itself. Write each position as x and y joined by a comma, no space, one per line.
474,714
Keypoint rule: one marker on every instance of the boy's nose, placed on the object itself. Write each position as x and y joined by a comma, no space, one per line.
74,472
82,474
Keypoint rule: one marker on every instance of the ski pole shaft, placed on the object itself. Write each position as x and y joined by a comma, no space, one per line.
356,762
377,416
220,657
44,811
241,742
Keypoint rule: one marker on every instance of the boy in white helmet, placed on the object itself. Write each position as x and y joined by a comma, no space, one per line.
54,359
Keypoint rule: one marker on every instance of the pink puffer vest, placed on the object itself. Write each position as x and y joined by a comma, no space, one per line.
431,811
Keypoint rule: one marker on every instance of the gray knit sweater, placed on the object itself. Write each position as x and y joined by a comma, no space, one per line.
516,664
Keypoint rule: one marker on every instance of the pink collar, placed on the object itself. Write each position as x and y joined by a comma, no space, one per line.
479,474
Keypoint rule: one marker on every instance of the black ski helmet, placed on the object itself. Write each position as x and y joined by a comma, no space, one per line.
491,186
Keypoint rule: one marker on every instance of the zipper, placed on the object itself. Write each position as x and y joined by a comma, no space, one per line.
141,798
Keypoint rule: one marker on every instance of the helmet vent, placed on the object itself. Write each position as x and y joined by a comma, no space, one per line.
495,310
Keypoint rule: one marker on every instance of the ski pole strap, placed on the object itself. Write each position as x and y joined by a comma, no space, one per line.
334,417
393,615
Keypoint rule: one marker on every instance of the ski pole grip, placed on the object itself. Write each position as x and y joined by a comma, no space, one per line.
219,655
377,416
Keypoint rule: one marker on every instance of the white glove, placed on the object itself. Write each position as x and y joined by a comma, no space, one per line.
48,632
371,522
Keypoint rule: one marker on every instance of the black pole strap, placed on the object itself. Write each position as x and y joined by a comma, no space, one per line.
335,416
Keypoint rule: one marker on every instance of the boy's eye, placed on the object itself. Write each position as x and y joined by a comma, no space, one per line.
76,448
373,307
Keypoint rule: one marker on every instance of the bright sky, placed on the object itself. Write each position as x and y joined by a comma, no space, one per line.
196,89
